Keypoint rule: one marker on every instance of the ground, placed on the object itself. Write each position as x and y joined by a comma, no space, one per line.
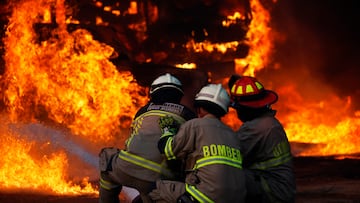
327,180
319,180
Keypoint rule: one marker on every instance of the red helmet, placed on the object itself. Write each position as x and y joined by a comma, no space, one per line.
248,91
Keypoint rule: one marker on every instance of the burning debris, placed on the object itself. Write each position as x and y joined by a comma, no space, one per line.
160,32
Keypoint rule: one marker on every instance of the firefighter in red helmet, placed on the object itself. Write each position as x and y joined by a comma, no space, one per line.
267,158
140,164
210,150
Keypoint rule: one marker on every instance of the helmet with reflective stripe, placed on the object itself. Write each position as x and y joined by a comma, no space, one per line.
248,91
166,81
215,94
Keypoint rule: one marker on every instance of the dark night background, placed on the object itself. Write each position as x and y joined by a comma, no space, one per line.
322,37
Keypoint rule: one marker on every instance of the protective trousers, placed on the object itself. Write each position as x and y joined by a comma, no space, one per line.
112,179
167,191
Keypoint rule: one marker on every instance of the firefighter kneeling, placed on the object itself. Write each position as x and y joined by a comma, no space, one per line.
140,164
210,150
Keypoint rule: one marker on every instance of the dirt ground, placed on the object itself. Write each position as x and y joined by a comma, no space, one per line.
327,180
319,180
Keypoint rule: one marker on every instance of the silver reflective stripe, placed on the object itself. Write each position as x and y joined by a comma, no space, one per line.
199,196
140,161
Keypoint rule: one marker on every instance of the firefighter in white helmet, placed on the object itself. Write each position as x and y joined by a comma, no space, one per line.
267,157
210,149
140,164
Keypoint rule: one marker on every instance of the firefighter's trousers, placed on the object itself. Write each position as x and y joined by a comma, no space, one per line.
112,182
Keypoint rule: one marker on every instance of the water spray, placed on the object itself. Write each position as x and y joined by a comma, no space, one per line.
59,138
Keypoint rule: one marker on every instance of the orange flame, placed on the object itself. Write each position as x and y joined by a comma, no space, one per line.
20,168
70,77
66,79
259,40
316,128
326,128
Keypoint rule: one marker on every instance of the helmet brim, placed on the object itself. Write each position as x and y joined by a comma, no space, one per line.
269,98
166,86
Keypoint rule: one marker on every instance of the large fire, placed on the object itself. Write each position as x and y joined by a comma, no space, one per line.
64,100
66,80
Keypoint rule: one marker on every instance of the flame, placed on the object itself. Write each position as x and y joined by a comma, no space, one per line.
70,77
327,127
259,40
316,128
20,168
186,66
322,125
133,9
64,78
208,46
211,47
232,19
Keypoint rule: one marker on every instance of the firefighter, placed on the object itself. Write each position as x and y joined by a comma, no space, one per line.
140,163
267,158
210,150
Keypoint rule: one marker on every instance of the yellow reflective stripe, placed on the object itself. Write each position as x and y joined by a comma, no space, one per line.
162,113
239,90
167,134
272,162
140,161
199,196
107,185
258,85
168,149
218,160
234,90
267,189
249,89
128,141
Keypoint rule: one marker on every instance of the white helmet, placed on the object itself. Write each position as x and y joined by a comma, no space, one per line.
166,81
216,94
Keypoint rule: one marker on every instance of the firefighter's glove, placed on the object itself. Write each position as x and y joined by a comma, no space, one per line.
168,125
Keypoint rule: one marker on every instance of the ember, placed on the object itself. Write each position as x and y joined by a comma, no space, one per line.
78,72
